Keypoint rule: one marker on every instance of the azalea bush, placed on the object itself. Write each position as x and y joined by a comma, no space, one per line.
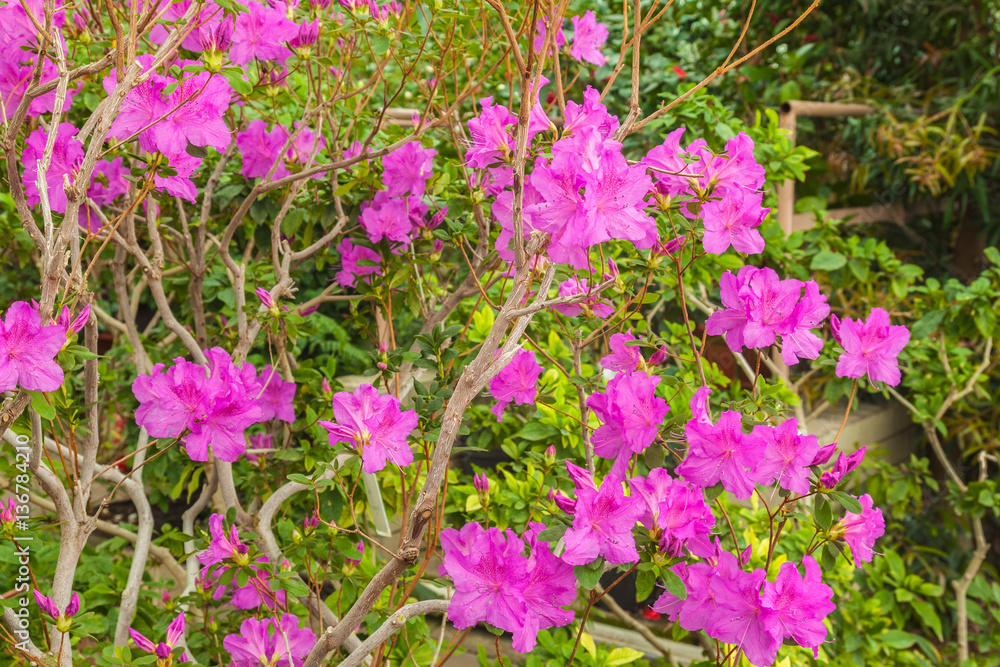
279,265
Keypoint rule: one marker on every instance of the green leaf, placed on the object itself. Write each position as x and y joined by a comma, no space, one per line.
823,513
236,80
40,405
380,44
827,260
535,431
897,639
928,616
301,479
552,534
713,492
623,655
644,582
926,324
993,255
849,502
589,575
674,585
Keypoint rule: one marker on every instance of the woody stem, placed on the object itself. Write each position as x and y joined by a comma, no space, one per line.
847,413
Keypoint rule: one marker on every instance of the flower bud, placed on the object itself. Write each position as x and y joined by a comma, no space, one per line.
550,455
482,484
265,297
658,357
296,536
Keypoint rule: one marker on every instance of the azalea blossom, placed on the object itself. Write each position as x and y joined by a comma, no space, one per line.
844,465
492,142
28,350
631,415
787,456
732,221
676,512
276,399
270,643
407,169
871,347
67,156
351,270
603,519
162,649
373,424
861,530
261,33
588,38
592,307
720,452
623,357
516,382
801,603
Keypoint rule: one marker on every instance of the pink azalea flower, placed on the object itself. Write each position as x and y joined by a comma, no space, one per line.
844,465
387,218
496,584
306,146
503,212
260,149
742,618
107,183
592,307
787,456
541,33
736,169
588,38
602,522
732,221
489,573
15,78
256,594
28,350
260,441
307,35
549,586
74,325
631,415
538,120
261,33
199,102
517,382
276,400
374,424
801,603
492,142
208,19
407,169
162,650
704,583
180,184
67,157
270,643
671,172
623,357
758,307
871,347
861,530
214,410
224,546
351,270
676,511
721,451
591,114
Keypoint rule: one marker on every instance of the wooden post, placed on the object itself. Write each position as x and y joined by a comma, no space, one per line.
786,191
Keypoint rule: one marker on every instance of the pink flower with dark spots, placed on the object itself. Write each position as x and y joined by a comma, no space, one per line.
623,357
260,149
67,157
733,221
276,400
28,350
270,643
591,114
517,382
861,530
871,347
374,425
602,521
351,269
588,38
407,169
224,546
801,603
631,415
675,510
720,452
787,456
261,33
387,218
492,142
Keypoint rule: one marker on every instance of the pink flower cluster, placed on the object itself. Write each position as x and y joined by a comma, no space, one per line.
871,347
516,382
497,584
759,307
28,350
226,550
742,608
630,415
209,409
261,148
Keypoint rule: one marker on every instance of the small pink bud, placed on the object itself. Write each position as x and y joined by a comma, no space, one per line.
306,312
658,357
745,556
326,387
824,455
481,483
265,297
